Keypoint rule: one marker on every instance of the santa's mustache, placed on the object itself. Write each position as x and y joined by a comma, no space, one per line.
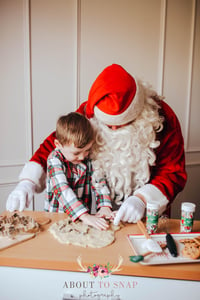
117,137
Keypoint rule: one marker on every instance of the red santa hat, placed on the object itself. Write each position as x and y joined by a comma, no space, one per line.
115,97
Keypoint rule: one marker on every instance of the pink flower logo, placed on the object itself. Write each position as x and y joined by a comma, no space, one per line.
100,270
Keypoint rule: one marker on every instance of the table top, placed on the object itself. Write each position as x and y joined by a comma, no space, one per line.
45,252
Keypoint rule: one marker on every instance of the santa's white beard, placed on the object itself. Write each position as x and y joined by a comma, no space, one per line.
124,156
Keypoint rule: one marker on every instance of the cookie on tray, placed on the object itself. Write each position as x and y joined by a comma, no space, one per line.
191,250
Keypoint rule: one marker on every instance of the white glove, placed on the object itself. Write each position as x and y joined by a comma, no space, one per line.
21,197
130,211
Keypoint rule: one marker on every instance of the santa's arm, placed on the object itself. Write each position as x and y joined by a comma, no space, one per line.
35,169
32,177
168,176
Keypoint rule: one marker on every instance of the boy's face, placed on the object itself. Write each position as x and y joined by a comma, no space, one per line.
73,154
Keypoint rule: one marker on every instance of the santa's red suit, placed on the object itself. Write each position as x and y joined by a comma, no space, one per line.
116,98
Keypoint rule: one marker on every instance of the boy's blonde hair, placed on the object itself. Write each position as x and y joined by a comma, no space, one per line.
74,128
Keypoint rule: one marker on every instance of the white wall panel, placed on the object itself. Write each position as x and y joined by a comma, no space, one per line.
194,123
39,201
54,55
189,194
15,126
179,29
124,32
4,192
14,78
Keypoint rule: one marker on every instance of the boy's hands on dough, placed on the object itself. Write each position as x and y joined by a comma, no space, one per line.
94,221
104,212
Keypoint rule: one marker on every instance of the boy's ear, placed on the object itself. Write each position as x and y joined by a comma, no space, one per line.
57,143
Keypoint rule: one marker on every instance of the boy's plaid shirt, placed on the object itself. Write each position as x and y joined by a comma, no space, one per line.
69,187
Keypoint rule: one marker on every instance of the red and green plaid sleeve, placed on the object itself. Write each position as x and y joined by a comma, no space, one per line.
59,194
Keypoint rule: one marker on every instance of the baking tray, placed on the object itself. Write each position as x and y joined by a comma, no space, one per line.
137,244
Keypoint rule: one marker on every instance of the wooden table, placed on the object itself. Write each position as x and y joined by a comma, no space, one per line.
44,252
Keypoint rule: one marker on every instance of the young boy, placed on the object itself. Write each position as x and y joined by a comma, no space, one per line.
69,174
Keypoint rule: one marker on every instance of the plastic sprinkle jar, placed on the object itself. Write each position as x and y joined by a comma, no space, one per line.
187,216
152,217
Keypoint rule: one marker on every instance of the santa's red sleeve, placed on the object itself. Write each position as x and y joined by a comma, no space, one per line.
41,154
82,108
35,169
168,176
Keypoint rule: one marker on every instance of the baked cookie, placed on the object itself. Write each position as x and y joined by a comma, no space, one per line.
191,250
17,224
196,240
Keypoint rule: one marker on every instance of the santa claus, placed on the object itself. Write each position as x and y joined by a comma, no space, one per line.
139,147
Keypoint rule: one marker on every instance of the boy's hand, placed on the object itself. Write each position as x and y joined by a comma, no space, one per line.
94,221
104,212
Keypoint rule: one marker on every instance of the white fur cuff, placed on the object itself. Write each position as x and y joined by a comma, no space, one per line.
34,172
153,195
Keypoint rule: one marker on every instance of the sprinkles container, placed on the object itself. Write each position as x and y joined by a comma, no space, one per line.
152,217
187,216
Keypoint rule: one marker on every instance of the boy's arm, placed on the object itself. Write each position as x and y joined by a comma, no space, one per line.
61,188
